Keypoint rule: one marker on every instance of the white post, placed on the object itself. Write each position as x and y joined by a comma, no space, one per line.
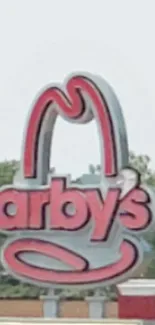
96,305
50,305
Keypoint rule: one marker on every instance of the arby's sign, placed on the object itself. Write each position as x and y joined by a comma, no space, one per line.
63,234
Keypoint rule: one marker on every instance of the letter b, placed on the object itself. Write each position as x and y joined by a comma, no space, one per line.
68,208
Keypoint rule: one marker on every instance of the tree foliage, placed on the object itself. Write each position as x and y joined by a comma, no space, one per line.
7,171
140,162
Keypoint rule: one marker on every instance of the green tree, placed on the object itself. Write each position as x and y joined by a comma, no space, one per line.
139,162
142,164
7,171
94,169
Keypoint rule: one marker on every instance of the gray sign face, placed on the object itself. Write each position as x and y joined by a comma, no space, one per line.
63,234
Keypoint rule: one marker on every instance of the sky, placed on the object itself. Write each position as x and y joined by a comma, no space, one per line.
42,41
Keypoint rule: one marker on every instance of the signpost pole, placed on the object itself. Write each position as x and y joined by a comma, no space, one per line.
96,305
50,304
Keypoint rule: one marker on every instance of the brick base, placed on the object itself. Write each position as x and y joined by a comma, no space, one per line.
67,309
21,308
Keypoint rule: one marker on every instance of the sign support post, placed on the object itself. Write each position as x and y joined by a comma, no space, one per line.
96,305
50,304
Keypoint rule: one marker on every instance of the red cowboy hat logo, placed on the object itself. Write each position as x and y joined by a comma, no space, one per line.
70,234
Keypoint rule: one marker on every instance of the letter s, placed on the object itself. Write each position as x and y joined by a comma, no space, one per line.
136,213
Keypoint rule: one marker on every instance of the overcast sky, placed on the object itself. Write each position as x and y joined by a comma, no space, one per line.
42,41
